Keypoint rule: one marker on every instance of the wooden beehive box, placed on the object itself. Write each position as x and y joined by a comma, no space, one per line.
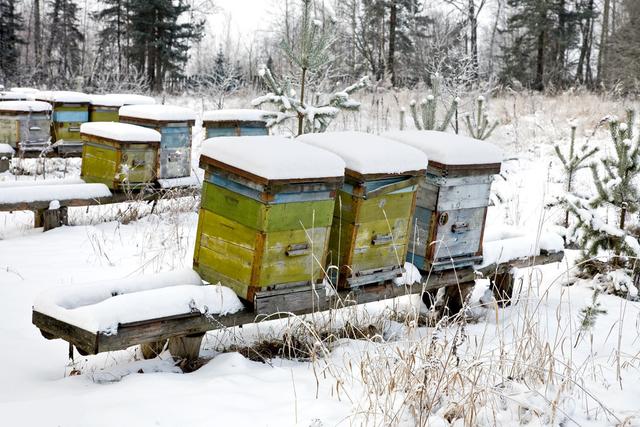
70,110
25,125
452,202
119,155
263,230
104,108
174,124
240,122
372,216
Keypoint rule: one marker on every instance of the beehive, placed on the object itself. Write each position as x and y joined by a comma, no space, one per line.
452,201
119,155
104,108
238,122
70,110
174,124
371,220
25,125
267,207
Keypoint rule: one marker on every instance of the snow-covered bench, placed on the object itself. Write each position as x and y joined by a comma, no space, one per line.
114,315
49,199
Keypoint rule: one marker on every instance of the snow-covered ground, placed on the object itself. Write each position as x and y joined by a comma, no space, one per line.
527,364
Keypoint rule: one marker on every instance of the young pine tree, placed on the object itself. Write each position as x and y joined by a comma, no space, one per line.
614,180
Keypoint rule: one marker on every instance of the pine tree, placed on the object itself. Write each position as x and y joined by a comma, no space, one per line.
615,189
572,162
63,47
113,38
160,38
310,51
10,26
623,49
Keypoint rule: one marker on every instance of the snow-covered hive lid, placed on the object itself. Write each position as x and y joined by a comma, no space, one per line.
366,154
27,90
123,132
25,106
449,149
273,157
158,112
13,96
237,115
120,99
63,97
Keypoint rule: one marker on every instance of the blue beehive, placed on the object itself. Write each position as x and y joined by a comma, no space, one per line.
174,124
236,122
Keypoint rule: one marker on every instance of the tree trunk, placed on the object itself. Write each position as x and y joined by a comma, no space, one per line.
586,45
604,40
539,82
393,19
300,115
37,31
473,24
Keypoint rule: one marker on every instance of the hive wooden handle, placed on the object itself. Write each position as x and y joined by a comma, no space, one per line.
298,249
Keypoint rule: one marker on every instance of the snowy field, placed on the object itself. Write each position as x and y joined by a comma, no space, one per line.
527,364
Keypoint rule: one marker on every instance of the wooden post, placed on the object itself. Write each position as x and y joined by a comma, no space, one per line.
152,349
5,163
53,218
38,218
455,297
502,286
186,346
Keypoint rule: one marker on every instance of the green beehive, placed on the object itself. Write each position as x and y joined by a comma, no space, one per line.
104,108
70,110
119,155
240,122
24,125
372,216
175,125
266,213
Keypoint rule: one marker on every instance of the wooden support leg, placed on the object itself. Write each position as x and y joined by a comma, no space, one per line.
152,349
186,347
429,297
53,218
38,218
5,163
502,286
455,297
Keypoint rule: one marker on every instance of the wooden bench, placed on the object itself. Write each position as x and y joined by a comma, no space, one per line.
38,198
185,331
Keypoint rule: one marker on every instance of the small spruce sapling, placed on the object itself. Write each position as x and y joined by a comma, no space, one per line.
480,128
615,189
572,162
427,117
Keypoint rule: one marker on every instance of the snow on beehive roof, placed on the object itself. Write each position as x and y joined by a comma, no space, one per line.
369,154
63,96
26,106
120,99
274,157
28,90
13,96
247,115
6,149
120,131
449,149
166,113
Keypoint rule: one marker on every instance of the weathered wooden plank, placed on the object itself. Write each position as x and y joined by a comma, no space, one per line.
54,328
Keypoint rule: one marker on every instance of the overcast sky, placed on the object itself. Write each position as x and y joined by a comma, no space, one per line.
247,16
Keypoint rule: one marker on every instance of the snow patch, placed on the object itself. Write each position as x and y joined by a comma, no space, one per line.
274,157
512,248
449,149
368,154
186,181
247,115
45,193
6,149
26,106
102,306
120,132
410,276
63,96
120,99
169,113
